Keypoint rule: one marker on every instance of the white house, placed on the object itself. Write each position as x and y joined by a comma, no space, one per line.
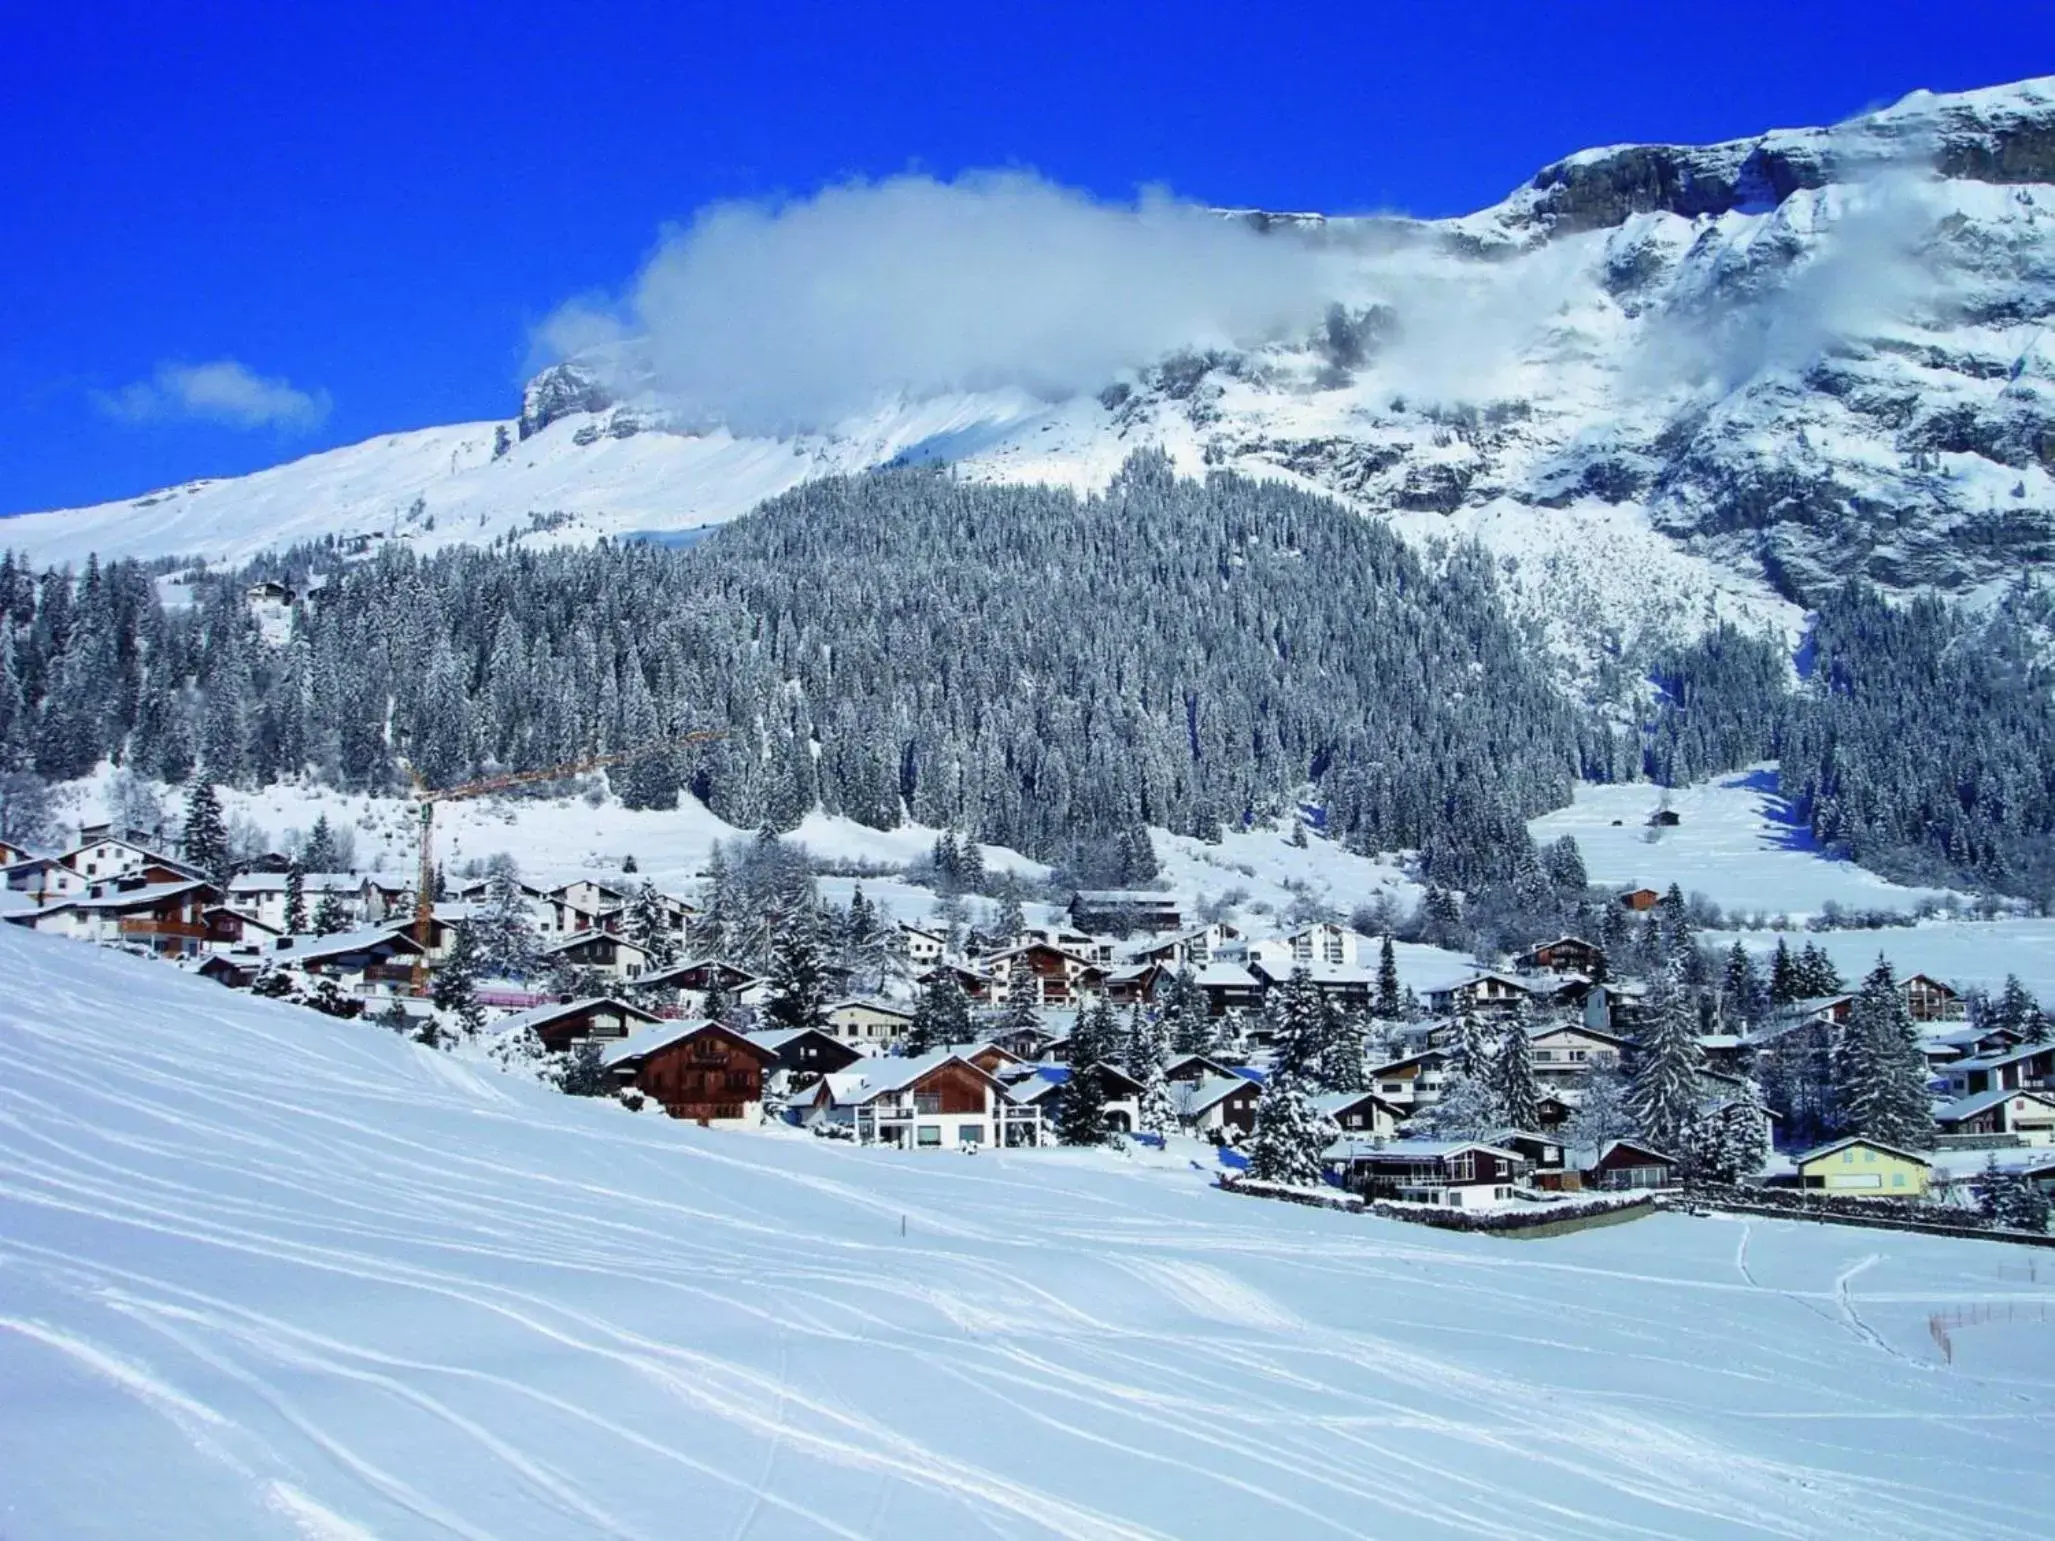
924,948
932,1102
1321,942
261,896
872,1026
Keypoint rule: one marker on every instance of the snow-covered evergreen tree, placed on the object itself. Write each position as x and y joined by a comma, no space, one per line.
454,985
1519,1094
941,1015
800,990
504,929
1881,1072
1663,1091
295,900
329,917
205,838
1602,1111
648,926
1728,1142
2005,1196
1290,1134
1081,1106
1387,1005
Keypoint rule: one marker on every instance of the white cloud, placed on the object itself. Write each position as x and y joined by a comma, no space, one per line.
796,314
223,391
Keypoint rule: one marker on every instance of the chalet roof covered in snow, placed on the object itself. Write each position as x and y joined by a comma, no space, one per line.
557,1011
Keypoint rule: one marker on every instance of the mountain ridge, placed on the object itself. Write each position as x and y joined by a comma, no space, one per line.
1667,385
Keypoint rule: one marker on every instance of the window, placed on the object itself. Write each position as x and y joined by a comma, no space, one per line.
970,1134
928,1135
927,1102
1897,1179
1847,1158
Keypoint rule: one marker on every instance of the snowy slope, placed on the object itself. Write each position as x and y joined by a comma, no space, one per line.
1735,842
265,1274
1666,383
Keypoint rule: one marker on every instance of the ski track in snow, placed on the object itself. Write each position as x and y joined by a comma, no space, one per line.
329,1285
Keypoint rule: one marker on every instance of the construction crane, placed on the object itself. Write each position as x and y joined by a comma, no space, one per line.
427,797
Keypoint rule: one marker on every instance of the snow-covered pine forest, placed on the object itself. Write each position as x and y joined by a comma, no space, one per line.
1042,669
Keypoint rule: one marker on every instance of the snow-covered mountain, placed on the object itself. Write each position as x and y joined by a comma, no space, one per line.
1666,382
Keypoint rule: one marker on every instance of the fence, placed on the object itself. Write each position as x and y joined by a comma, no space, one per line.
1943,1325
1883,1218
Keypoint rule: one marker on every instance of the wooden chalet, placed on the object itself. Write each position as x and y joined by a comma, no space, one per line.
1228,987
563,1025
1347,985
1122,910
686,986
235,973
1485,992
232,928
1136,984
805,1054
1630,1164
108,858
1458,1174
1640,899
979,989
1553,1111
1415,1080
1196,1067
614,957
1931,1000
375,962
1041,1087
1564,955
168,919
1024,1043
1220,1107
1362,1114
698,1070
933,1102
1192,949
1060,978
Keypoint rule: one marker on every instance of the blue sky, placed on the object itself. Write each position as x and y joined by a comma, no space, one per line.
370,218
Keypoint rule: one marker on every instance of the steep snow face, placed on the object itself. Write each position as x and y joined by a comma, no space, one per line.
283,1276
1668,384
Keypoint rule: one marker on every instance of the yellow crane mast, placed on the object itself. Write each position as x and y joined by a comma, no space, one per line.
427,797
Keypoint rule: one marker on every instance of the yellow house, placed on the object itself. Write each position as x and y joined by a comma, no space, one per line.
1865,1168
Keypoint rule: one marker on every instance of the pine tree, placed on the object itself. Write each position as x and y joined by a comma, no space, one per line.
454,986
2008,1198
1817,971
585,1073
1388,980
800,991
206,834
1662,1093
1156,1113
1291,1134
295,900
1519,1095
1023,1013
940,1017
1186,1016
329,919
1096,1039
2014,1010
648,926
1881,1072
1298,1026
1729,1143
1081,1106
1740,989
504,930
1787,984
1602,1111
318,851
1467,1109
1145,1049
1341,1056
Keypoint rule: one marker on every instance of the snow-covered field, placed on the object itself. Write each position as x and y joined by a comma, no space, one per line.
266,1274
1736,843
